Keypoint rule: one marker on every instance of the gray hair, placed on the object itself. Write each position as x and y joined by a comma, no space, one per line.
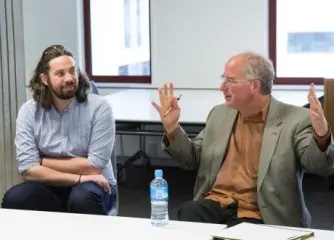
260,68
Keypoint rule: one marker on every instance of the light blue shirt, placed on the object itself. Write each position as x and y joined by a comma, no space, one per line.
84,130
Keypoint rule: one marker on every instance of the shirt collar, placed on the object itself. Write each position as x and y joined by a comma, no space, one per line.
261,116
72,105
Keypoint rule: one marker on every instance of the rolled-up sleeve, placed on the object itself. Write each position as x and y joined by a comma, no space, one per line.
102,137
27,153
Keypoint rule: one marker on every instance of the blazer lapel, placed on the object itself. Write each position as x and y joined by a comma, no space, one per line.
221,140
270,139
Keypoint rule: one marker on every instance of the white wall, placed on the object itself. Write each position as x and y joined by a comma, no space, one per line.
48,22
192,39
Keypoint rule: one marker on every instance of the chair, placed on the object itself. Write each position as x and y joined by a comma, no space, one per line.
93,88
114,208
328,106
121,173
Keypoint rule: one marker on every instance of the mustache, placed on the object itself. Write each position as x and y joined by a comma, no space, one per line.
69,83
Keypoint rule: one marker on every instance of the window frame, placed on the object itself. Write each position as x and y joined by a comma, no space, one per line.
273,52
88,54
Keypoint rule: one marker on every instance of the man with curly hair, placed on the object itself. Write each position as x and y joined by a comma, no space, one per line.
64,142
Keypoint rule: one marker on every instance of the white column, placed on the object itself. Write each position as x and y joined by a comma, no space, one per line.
12,87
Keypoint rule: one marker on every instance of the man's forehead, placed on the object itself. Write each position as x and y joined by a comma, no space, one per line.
62,62
233,66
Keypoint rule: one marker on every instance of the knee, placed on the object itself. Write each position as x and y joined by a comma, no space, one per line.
190,211
188,207
84,197
11,197
20,195
81,194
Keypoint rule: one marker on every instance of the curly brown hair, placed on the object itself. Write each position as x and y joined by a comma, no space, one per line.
40,92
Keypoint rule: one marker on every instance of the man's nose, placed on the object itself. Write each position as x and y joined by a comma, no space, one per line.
223,87
69,78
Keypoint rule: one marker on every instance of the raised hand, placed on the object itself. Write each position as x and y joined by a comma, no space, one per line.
317,116
168,108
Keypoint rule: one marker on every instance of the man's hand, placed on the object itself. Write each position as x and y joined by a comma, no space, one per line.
168,108
99,180
317,116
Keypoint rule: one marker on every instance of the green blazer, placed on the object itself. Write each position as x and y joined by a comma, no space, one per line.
288,149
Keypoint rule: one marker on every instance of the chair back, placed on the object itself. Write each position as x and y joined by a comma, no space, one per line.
328,105
93,88
114,209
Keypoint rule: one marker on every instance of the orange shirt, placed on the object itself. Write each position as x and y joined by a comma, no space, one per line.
237,179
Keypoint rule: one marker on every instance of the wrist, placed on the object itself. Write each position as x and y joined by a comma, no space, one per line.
172,134
171,129
323,134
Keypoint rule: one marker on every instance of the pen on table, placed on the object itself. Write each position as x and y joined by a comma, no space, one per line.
171,108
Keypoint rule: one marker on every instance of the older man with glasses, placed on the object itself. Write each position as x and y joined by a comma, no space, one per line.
253,151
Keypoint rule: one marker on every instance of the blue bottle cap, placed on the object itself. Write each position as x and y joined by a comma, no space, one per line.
158,173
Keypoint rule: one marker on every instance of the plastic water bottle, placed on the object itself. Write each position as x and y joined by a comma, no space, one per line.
159,200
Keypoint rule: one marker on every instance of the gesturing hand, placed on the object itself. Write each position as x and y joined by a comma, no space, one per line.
168,108
317,116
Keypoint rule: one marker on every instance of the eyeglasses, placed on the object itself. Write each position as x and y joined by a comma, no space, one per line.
233,80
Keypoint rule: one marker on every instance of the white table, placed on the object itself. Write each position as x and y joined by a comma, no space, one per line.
134,105
34,225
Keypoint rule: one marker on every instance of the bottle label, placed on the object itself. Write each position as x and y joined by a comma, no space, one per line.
159,193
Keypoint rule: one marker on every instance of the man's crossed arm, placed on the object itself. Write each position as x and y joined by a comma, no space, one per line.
71,165
65,171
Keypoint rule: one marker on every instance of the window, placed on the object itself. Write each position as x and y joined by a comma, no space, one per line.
301,37
117,40
310,42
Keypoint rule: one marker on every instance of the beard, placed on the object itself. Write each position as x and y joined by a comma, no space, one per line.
64,92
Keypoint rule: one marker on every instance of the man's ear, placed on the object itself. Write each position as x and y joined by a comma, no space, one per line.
43,78
256,86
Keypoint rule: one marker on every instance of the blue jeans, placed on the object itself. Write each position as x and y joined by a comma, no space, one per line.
87,198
